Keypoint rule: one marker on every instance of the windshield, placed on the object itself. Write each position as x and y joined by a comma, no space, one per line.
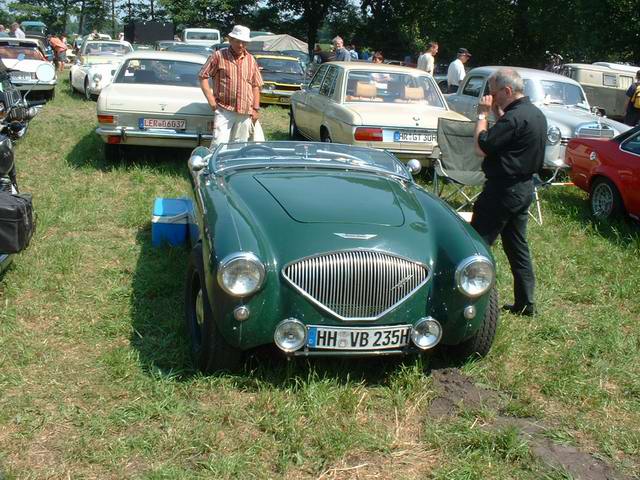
105,48
214,36
553,92
279,65
30,53
159,72
392,87
305,154
198,49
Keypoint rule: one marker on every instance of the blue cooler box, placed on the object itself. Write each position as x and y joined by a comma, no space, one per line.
170,221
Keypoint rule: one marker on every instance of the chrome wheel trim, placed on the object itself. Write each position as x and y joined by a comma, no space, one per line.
199,310
602,200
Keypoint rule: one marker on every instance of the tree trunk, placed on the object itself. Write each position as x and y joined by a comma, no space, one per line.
81,20
113,18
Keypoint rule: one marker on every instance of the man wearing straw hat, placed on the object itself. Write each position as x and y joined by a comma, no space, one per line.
231,81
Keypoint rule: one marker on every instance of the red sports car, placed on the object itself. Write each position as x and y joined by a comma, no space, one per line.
610,171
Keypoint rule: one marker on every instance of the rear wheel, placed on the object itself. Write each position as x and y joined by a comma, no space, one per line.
480,343
112,153
324,136
605,199
209,350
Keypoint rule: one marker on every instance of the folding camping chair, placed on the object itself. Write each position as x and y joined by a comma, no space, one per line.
456,161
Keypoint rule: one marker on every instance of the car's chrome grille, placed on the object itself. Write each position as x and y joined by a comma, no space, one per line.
564,140
595,130
356,284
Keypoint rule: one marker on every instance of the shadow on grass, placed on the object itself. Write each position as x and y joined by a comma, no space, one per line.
572,204
89,153
157,308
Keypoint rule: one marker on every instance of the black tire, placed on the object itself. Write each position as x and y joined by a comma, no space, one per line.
605,199
294,133
51,95
112,153
480,343
324,136
209,350
87,94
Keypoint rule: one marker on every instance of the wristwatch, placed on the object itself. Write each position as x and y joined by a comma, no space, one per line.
482,116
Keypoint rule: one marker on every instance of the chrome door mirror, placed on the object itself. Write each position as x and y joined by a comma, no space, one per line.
414,166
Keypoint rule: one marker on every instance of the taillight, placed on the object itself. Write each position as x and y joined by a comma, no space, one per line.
111,119
365,134
114,139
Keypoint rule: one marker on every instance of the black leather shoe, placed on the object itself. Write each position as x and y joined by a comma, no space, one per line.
526,310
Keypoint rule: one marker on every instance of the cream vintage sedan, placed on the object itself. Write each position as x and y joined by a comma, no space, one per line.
374,105
23,57
96,65
155,100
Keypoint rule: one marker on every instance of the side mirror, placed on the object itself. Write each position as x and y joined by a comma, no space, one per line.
45,72
414,166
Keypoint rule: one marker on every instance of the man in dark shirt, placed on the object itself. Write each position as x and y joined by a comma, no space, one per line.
514,150
632,113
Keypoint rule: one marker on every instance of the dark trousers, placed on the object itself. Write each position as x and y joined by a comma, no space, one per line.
452,88
502,209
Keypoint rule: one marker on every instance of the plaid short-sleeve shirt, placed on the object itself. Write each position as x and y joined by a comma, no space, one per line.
233,79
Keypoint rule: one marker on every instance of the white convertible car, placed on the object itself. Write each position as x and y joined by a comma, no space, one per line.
24,56
155,100
96,64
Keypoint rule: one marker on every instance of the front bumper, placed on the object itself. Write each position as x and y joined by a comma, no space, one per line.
276,97
34,85
155,137
554,156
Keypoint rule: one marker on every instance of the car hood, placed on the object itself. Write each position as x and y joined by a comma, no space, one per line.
361,211
400,114
287,78
570,117
22,66
156,99
336,198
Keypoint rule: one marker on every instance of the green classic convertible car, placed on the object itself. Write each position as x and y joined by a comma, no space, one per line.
327,249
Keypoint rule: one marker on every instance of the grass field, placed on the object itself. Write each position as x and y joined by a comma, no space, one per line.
95,379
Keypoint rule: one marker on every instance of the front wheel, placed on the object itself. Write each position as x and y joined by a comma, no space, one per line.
209,350
87,93
605,199
294,133
480,343
325,137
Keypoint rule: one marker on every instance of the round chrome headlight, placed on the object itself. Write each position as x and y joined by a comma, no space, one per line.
97,77
475,276
290,335
553,135
241,274
426,333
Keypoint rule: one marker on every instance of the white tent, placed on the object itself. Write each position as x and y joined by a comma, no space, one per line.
278,43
